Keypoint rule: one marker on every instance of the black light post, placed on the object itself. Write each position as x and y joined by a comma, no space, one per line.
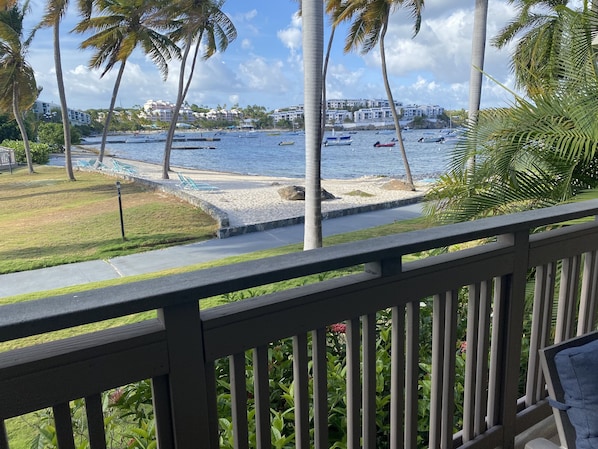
120,209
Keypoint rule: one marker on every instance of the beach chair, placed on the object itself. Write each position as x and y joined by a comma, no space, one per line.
121,167
191,184
570,369
82,163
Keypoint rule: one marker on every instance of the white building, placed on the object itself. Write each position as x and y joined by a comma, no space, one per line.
162,111
291,114
44,109
430,111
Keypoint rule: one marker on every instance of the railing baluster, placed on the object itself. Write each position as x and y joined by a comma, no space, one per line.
300,375
320,370
412,375
238,389
483,349
162,412
64,426
587,306
369,381
541,321
397,384
95,421
497,347
448,387
438,323
353,385
567,293
471,361
262,397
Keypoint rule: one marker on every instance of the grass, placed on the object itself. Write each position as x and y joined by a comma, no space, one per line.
47,220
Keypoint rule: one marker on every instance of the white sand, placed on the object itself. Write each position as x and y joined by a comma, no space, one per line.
255,199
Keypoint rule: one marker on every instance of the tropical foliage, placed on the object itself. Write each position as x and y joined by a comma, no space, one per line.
18,89
122,26
538,152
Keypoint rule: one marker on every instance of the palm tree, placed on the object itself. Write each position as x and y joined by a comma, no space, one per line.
313,48
534,62
18,89
55,10
196,21
536,153
368,29
123,26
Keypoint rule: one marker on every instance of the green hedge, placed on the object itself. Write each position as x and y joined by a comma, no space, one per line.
40,152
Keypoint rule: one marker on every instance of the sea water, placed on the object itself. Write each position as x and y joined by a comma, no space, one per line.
259,153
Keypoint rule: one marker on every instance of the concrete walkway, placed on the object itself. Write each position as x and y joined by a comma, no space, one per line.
178,256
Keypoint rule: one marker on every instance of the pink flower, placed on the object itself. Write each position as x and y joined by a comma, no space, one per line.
338,328
463,347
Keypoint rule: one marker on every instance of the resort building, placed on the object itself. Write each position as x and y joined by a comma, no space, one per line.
162,111
46,110
291,114
221,114
430,111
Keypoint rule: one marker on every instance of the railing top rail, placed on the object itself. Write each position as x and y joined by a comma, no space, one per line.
53,313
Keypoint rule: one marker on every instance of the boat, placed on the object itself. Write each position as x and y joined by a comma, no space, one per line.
431,139
338,140
286,142
385,144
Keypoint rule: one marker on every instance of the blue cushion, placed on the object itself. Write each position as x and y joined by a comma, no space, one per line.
577,368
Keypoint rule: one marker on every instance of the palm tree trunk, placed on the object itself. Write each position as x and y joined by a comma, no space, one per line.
21,125
175,114
66,124
393,108
478,48
313,47
111,110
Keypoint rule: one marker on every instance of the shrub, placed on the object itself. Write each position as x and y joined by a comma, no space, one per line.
40,152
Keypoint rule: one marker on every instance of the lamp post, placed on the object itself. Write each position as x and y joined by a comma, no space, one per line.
120,209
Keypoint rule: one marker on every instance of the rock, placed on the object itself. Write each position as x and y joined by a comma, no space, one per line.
396,184
297,193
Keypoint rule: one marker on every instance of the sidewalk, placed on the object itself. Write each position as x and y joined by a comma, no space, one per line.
178,256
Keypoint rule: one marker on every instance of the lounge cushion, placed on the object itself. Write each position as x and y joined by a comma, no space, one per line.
577,368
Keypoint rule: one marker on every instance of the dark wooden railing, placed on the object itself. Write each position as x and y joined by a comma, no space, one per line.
508,286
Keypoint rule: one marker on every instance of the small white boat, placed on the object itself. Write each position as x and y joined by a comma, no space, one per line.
286,142
337,140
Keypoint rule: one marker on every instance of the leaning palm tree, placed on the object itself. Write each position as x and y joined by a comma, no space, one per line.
55,11
18,89
368,29
195,22
537,153
122,26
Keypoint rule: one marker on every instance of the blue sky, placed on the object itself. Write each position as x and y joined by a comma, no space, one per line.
263,65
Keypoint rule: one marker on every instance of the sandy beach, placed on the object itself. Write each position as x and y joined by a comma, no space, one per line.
246,203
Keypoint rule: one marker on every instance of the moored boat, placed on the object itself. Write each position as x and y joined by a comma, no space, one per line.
385,144
338,140
286,142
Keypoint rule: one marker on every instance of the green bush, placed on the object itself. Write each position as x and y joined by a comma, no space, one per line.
40,152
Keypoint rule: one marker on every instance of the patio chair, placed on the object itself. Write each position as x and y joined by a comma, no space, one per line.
571,372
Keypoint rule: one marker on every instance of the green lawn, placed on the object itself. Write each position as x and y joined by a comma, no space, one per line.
47,220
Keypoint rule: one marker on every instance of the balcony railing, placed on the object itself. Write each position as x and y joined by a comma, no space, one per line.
471,306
